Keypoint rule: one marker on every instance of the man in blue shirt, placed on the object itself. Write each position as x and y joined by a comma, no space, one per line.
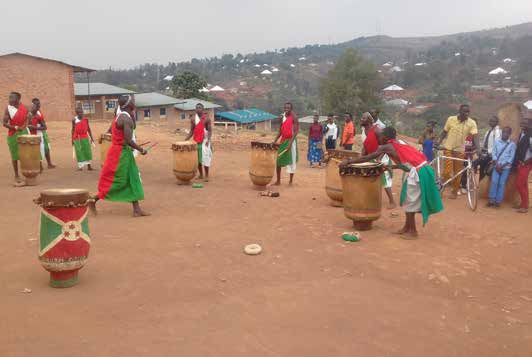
503,156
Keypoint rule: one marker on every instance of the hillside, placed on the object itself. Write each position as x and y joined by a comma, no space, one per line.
439,69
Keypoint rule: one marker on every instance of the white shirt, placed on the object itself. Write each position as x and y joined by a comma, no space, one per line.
494,135
380,124
332,131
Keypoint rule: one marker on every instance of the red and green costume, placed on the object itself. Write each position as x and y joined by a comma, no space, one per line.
38,121
288,157
82,144
120,177
17,117
64,243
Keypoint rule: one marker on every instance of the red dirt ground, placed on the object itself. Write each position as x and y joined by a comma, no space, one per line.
178,284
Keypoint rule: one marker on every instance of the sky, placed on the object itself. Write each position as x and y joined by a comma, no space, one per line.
121,34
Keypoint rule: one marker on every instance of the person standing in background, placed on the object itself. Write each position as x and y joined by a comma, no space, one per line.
37,126
315,145
331,133
376,120
348,135
493,134
503,157
427,141
523,162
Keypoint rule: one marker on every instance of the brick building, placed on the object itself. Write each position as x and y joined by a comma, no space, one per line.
49,80
99,100
154,106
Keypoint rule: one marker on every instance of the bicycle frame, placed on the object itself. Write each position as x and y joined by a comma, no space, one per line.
438,160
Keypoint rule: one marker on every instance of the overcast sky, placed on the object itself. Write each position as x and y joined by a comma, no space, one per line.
121,34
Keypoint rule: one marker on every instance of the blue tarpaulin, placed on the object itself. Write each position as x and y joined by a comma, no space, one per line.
245,116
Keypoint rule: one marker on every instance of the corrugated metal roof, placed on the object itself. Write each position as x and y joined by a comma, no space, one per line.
190,104
144,100
247,115
76,69
81,89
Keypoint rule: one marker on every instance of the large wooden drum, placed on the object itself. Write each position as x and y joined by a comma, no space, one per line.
362,193
185,161
263,163
64,234
105,145
333,182
29,150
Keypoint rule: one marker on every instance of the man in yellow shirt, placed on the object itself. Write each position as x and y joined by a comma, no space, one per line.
452,139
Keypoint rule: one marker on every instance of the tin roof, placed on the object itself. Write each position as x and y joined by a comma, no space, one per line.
190,104
82,89
246,115
144,100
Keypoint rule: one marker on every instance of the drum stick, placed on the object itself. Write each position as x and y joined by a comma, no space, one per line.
152,146
282,152
146,143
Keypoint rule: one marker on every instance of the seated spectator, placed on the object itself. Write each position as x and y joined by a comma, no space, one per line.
503,157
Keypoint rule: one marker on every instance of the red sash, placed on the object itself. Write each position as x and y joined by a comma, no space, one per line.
35,121
199,130
408,154
371,144
287,128
19,119
81,129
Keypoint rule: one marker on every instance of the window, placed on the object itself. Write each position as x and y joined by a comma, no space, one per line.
110,105
147,114
183,116
162,112
88,108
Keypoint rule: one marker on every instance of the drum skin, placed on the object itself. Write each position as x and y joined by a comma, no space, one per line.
362,193
30,157
185,161
263,161
333,182
64,241
105,144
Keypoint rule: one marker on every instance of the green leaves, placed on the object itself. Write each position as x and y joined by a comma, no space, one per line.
188,85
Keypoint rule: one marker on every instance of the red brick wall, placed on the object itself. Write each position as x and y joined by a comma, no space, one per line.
51,82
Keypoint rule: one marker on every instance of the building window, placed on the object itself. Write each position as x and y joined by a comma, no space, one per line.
162,112
110,105
183,116
147,114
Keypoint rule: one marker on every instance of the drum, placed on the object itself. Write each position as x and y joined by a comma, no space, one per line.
185,161
105,145
333,182
29,149
64,234
263,162
362,193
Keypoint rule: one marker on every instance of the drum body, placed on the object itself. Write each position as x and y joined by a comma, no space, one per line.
262,163
30,157
333,182
64,242
105,145
362,193
185,161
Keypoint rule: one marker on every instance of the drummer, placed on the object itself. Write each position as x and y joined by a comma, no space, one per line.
120,177
37,126
420,193
288,153
201,131
15,117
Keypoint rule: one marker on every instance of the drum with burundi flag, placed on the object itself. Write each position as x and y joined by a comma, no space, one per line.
64,234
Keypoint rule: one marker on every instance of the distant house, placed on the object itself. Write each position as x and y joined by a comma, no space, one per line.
187,107
393,91
309,119
396,69
249,118
216,89
398,102
498,71
528,105
49,80
265,72
99,100
152,106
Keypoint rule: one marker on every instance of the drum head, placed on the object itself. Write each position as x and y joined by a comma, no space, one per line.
64,197
32,139
184,146
264,146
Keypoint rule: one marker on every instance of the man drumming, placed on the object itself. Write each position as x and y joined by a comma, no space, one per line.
120,177
15,120
288,153
37,126
371,144
420,193
201,131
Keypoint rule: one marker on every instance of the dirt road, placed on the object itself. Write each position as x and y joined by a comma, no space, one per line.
178,284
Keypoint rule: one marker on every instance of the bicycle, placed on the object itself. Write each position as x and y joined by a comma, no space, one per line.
472,184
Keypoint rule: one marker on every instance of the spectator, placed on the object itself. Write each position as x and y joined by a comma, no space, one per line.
348,135
427,141
503,156
491,136
315,139
523,162
456,129
331,133
376,120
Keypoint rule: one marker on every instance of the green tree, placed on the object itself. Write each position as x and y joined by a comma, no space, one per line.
352,85
187,85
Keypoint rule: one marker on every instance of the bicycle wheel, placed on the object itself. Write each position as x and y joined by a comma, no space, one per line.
472,190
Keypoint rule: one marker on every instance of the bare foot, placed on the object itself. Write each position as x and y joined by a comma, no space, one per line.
19,184
200,177
453,196
140,213
392,205
90,169
18,179
206,179
278,183
51,166
91,203
401,231
80,169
